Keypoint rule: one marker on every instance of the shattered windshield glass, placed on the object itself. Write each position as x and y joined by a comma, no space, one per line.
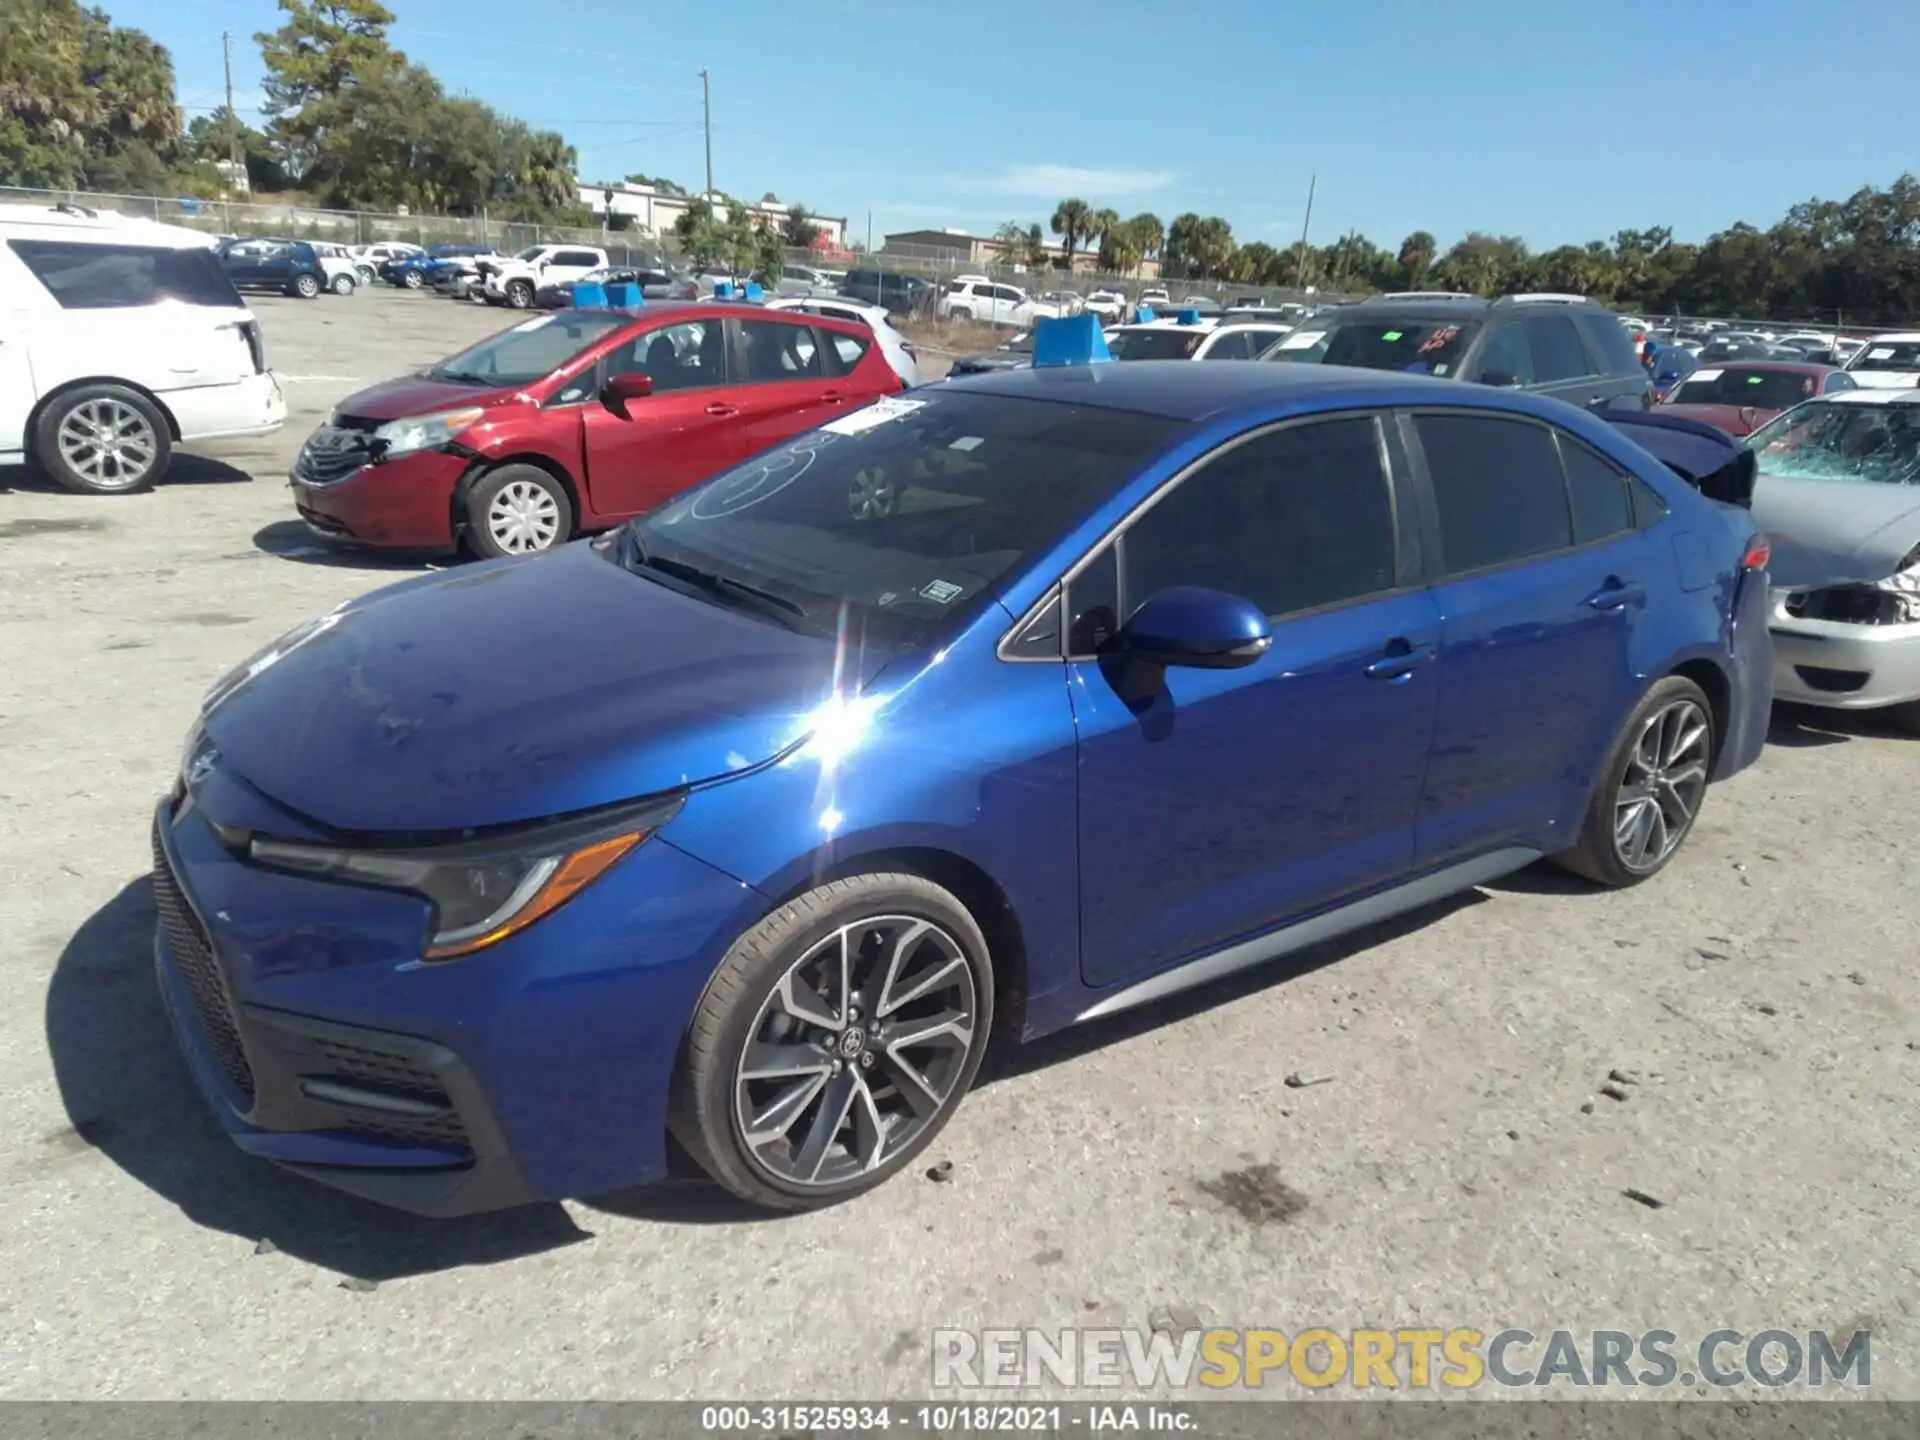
1850,444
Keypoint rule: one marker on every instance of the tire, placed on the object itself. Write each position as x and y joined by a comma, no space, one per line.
1669,736
517,510
519,294
305,286
960,312
946,981
342,285
412,280
70,440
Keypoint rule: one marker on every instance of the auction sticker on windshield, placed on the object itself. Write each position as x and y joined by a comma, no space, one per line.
875,415
1303,340
1706,375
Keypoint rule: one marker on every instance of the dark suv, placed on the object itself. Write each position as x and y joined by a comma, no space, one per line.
1565,346
900,294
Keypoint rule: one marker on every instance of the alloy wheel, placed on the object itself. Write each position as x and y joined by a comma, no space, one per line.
860,1047
109,443
523,518
1660,792
307,286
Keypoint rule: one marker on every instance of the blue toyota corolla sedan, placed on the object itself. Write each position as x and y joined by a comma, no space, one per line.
986,710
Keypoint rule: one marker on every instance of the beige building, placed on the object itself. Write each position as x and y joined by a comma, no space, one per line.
654,212
958,247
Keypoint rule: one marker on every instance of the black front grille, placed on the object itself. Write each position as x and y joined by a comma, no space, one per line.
332,453
402,1078
200,968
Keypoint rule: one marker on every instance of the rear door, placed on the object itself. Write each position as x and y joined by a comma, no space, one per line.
1562,367
1541,582
687,430
786,383
1626,384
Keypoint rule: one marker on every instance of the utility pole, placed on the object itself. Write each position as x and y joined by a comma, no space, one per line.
1301,269
233,120
706,109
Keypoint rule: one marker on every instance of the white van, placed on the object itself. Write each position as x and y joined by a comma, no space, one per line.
119,339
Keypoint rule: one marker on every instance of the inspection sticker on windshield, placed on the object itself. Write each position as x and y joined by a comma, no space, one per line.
1705,375
1303,339
876,414
941,592
1880,352
968,442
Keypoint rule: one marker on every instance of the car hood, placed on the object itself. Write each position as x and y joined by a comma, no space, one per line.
1734,419
417,395
513,691
1827,533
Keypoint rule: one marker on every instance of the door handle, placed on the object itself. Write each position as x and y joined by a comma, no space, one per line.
1616,596
1400,661
717,408
834,397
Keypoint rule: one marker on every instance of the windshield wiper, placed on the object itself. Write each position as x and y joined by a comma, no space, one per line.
463,377
631,554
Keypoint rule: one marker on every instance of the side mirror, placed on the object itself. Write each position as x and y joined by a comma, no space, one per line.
619,389
1190,626
1499,379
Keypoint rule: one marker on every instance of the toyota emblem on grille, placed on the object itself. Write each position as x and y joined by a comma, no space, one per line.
201,766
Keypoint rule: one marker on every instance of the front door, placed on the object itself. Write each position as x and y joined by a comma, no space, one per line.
1233,800
787,382
687,430
1543,586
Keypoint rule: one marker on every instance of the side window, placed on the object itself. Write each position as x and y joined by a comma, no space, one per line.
1506,359
1557,351
848,348
577,257
1498,488
1292,520
1231,346
1011,296
780,352
1597,493
1648,507
1093,604
1608,339
687,356
107,277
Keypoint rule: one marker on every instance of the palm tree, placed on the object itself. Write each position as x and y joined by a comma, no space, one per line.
1010,239
1416,256
1149,235
550,163
1071,222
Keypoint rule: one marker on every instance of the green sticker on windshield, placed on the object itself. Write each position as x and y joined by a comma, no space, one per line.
1755,379
1391,336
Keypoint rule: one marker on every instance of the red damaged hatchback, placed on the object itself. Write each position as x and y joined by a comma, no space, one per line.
575,421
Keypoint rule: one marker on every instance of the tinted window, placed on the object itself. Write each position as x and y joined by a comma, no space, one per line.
780,352
576,257
1292,520
688,356
1557,352
1167,344
1597,493
529,351
1234,345
1093,604
1609,340
1647,504
973,485
1745,385
1507,360
102,277
1498,488
849,348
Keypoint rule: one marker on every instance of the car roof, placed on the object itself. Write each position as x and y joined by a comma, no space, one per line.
1181,390
1779,367
705,309
1866,395
1898,337
1201,323
103,227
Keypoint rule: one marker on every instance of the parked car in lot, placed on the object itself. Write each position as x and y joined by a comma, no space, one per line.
574,421
1740,398
656,283
286,267
369,258
1109,305
1887,362
1565,346
340,268
899,351
121,340
1016,353
898,294
802,281
1839,489
974,297
1671,364
516,282
1214,337
981,712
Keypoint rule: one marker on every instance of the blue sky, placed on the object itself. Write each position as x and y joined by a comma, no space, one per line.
1556,121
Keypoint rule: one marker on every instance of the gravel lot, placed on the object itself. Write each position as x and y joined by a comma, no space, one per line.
1448,1173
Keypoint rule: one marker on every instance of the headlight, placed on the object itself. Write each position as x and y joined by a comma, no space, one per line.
424,432
483,891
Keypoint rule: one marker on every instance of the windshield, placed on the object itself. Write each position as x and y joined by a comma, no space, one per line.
1423,347
530,253
1168,344
905,515
1853,444
1902,356
529,351
1744,386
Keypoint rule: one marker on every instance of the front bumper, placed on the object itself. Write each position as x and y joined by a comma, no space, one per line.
536,1071
402,504
1843,665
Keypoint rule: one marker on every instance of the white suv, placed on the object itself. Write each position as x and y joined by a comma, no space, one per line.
974,297
515,282
120,339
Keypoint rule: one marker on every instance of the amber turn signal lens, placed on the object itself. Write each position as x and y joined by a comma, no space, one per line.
572,875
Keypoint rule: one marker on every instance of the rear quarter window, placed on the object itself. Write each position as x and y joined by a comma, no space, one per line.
111,277
1608,339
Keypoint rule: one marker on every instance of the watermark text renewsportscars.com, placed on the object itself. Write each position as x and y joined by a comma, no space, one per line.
1438,1360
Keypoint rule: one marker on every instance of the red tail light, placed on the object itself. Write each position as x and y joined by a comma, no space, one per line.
1759,552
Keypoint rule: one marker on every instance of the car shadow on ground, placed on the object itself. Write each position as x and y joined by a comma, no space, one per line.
128,1094
182,470
1805,727
291,540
